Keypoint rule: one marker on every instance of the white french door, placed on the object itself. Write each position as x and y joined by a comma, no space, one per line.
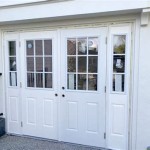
31,66
72,110
39,84
12,68
83,73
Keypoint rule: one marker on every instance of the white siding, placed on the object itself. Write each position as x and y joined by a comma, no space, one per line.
1,77
74,8
143,123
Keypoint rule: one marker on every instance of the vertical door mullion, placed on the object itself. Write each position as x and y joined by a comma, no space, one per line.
34,65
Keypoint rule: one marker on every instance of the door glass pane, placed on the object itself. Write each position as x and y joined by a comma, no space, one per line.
30,47
12,48
71,64
39,64
71,46
13,78
48,47
48,64
48,80
119,64
82,46
71,81
30,79
92,82
12,63
38,47
93,63
82,67
39,80
82,64
119,44
30,64
12,60
118,83
93,46
82,79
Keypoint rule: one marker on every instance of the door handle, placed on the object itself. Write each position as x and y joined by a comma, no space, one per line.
56,94
63,88
63,95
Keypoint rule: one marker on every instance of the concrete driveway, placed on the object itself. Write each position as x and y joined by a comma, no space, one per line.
25,143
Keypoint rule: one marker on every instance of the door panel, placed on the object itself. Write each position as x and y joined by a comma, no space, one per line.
83,70
39,86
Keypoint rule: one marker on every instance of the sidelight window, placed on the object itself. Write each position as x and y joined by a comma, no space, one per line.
12,63
119,63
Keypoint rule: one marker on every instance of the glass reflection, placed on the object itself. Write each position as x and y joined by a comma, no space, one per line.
71,81
71,46
30,79
82,81
30,64
39,64
38,47
48,47
93,46
92,82
12,48
39,80
119,64
13,78
82,46
12,62
82,64
48,80
30,47
93,64
118,83
71,64
48,64
119,44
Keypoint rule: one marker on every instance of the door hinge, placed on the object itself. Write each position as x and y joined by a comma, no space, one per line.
20,84
106,40
19,44
104,135
21,124
105,89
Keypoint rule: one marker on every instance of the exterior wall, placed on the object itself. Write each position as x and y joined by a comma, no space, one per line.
143,122
1,79
143,111
57,10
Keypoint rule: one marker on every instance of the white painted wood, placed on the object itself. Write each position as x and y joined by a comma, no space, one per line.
82,113
118,115
144,18
39,106
96,8
13,93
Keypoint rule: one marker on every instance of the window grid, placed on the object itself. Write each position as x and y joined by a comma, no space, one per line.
122,60
12,57
77,56
43,73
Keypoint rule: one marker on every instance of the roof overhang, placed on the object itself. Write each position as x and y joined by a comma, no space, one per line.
54,10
